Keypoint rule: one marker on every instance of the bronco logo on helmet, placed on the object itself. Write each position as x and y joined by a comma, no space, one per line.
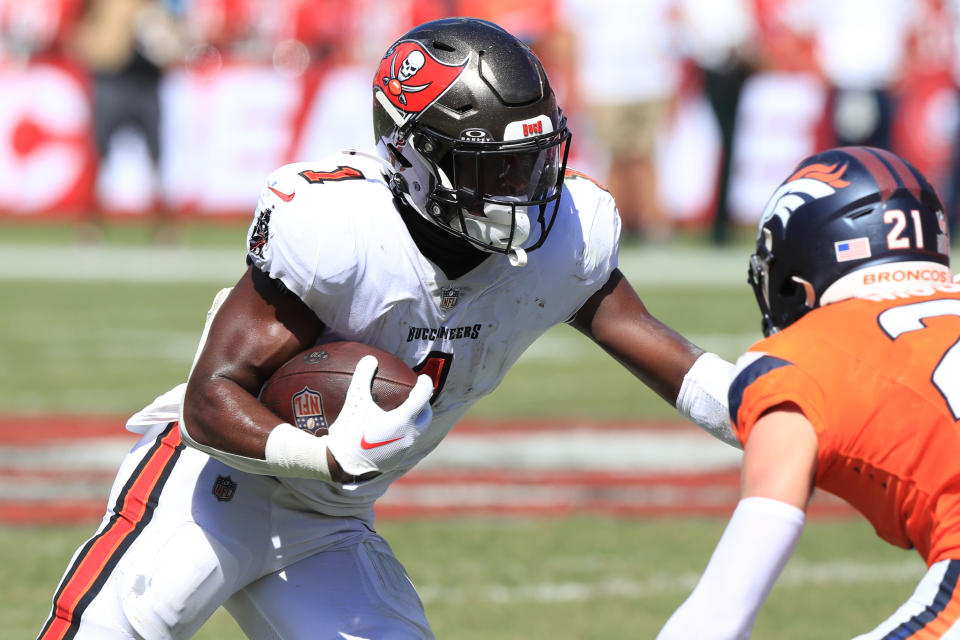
411,79
808,183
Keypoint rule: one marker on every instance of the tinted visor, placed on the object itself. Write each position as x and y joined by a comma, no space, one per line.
522,175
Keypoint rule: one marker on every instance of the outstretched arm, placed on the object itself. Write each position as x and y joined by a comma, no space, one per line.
778,471
681,373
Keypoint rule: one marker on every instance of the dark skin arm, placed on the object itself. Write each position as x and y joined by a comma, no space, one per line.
258,328
616,319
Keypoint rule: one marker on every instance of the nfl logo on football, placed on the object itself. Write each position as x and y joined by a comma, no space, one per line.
308,410
449,297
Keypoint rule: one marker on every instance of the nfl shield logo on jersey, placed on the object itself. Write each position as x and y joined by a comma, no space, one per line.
308,410
223,488
449,296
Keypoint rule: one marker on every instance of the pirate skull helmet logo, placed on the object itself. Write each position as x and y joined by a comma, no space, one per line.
396,82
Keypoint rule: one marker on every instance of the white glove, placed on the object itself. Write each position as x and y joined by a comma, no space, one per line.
364,438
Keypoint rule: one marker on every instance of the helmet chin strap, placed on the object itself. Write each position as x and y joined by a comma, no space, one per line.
496,226
517,257
811,295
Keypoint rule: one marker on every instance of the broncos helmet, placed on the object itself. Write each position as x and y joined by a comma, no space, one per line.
849,222
465,114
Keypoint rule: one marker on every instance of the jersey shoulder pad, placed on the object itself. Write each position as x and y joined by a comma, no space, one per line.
588,226
303,233
763,380
346,169
577,178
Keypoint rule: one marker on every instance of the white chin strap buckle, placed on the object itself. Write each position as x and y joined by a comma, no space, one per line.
517,257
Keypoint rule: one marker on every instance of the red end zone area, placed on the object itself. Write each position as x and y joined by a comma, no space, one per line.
58,469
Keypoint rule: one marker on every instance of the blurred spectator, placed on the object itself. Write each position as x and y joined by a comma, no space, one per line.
626,77
32,30
934,74
860,47
781,109
925,123
717,38
126,44
655,91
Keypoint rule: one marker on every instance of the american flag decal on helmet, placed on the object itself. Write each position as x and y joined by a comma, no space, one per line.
855,249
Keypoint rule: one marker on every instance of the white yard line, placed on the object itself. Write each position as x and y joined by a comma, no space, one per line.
686,451
92,263
569,346
626,451
796,575
646,266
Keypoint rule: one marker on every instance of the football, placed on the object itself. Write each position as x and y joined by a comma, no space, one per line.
308,391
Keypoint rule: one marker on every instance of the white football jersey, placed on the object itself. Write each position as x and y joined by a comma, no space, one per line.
330,232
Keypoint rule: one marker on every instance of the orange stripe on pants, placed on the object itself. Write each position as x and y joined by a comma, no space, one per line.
133,510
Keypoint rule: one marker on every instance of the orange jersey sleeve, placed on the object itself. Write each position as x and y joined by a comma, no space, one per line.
880,382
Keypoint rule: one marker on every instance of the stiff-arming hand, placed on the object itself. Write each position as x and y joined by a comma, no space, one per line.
364,438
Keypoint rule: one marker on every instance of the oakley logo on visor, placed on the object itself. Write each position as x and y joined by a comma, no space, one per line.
476,135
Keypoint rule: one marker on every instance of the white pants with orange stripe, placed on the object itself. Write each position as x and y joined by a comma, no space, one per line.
933,611
185,534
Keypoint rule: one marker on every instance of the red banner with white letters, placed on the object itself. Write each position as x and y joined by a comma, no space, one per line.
221,134
46,148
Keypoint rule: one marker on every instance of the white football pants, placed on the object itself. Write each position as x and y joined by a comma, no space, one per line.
185,534
933,611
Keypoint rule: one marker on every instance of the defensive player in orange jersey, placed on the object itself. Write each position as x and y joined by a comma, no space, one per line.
855,390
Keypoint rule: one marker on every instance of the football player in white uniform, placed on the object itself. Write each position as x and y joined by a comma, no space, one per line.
454,244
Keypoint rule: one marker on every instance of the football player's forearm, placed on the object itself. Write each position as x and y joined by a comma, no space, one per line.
616,319
219,413
753,550
214,425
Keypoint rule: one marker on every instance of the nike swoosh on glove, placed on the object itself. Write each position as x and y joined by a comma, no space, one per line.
364,438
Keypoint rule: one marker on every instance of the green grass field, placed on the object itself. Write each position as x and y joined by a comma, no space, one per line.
105,328
577,578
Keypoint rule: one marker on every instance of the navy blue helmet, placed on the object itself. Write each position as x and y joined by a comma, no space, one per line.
848,222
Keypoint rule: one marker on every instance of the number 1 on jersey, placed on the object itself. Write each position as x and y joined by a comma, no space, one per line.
437,366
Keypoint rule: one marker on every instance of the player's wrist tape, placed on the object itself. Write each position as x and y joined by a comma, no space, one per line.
289,452
755,546
297,453
703,396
